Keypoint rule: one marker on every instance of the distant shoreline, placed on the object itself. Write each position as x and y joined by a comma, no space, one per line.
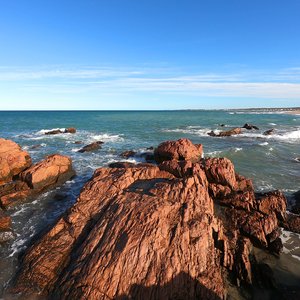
282,110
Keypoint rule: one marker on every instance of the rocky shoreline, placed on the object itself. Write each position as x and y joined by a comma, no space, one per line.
182,227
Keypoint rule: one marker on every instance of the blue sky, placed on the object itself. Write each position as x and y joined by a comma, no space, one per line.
149,54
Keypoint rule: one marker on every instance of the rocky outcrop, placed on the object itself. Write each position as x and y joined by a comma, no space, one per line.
54,169
13,160
183,149
144,231
20,181
59,131
230,132
91,147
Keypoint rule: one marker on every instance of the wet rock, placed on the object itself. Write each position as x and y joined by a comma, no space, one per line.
231,132
127,154
276,246
296,206
6,233
292,223
269,132
148,156
122,164
70,130
150,148
13,160
59,131
182,149
78,142
53,170
250,127
35,147
91,147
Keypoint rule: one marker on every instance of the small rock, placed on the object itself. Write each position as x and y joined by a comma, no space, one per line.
70,130
250,127
78,142
230,132
127,154
91,147
269,132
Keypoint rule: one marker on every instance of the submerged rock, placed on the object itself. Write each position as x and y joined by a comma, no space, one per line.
155,232
13,160
269,132
91,147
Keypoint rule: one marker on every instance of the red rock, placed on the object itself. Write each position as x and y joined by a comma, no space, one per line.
70,130
153,232
231,132
55,169
220,171
16,198
183,149
146,225
5,222
13,160
272,202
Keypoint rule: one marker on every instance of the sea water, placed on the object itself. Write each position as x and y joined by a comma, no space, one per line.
270,161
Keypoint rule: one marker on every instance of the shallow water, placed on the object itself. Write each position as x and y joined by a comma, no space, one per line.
268,160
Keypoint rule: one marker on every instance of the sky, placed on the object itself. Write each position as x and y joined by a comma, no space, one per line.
149,54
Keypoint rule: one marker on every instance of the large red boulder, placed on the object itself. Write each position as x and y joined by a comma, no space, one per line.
13,160
53,170
183,149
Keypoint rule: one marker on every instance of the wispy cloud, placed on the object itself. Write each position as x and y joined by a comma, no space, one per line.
280,84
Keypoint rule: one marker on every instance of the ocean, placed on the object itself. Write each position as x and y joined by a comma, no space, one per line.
270,161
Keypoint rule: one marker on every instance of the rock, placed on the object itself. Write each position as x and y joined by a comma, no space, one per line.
59,131
34,147
150,148
13,160
127,154
5,222
183,149
269,132
53,170
250,127
292,223
70,130
296,206
52,132
78,142
91,147
148,156
6,233
272,202
154,232
231,132
220,171
122,164
222,125
297,159
148,231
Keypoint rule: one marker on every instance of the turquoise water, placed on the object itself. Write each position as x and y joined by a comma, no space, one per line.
268,160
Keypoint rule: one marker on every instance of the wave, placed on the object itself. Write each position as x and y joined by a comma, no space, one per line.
106,137
44,131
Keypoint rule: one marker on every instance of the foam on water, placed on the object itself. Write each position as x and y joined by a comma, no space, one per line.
106,137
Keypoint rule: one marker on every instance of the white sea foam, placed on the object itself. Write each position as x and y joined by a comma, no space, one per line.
272,124
291,243
237,149
44,131
106,137
264,144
